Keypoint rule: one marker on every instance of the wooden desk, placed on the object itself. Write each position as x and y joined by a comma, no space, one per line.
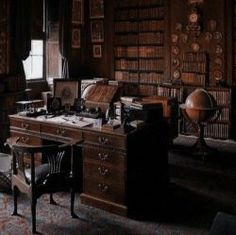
120,170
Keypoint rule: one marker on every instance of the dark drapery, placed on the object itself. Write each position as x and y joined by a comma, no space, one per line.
22,37
64,34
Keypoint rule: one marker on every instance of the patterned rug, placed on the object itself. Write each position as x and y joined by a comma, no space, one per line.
189,215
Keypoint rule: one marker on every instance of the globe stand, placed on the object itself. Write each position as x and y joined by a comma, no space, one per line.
200,145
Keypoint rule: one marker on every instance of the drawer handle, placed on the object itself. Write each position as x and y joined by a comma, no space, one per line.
61,131
25,126
103,171
24,139
102,140
103,156
104,188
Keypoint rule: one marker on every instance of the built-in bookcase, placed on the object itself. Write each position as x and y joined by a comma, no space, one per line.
140,43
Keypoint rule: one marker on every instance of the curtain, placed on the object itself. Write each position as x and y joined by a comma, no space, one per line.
23,28
64,35
21,22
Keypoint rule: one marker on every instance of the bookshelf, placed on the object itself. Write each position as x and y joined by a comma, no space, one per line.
139,44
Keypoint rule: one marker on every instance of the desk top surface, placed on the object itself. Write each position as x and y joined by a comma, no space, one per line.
70,121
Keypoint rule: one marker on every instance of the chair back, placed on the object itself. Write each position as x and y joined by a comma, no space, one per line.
53,159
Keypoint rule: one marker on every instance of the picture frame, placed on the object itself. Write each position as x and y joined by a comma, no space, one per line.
77,12
67,90
96,9
97,31
97,51
75,38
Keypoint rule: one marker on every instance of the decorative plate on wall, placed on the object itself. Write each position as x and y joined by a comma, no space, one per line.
176,62
174,38
217,35
195,46
219,49
175,50
184,37
218,61
208,36
176,74
218,75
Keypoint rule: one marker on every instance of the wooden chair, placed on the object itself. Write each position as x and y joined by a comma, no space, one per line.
55,174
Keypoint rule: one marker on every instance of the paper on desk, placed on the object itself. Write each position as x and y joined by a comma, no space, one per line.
72,121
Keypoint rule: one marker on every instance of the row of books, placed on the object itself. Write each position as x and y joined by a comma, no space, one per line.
217,130
142,51
126,76
196,79
152,78
135,27
154,64
170,92
195,57
126,26
136,14
147,90
136,3
141,64
213,130
155,12
126,65
222,97
194,66
151,25
156,38
151,37
224,115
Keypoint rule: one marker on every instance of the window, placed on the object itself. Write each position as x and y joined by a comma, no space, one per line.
33,65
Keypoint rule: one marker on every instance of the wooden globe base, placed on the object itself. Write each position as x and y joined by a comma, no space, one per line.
201,147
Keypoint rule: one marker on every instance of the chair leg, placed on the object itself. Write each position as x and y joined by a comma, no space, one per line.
72,202
33,213
51,200
15,192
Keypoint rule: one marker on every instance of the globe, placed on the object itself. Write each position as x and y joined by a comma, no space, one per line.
200,106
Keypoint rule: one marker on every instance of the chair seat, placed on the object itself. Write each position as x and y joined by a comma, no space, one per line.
41,173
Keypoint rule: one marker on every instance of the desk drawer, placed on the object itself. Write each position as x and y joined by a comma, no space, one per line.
105,190
101,172
26,138
104,156
25,125
60,131
103,139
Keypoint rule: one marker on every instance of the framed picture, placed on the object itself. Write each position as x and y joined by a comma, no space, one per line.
75,38
97,32
97,51
96,9
77,11
67,90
